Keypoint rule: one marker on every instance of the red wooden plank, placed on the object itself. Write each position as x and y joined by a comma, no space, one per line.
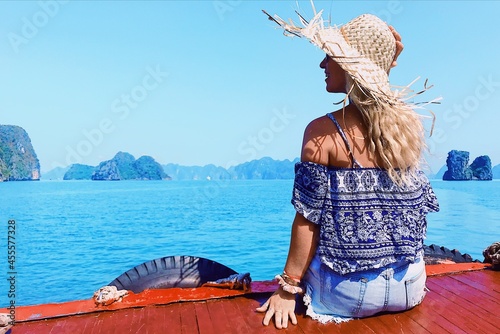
376,325
355,326
454,313
59,326
466,309
172,317
427,317
138,321
234,317
481,285
38,327
219,318
481,299
89,323
94,326
352,326
488,275
116,322
205,325
154,317
309,326
433,312
483,281
189,324
75,324
401,323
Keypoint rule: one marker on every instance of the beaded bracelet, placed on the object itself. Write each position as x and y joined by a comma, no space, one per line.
294,278
289,280
291,286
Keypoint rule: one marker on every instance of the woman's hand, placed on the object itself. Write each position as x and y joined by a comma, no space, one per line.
281,305
399,46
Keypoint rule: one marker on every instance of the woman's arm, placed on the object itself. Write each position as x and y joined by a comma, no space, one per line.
304,237
303,244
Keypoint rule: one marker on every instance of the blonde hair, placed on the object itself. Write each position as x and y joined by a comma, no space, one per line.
395,132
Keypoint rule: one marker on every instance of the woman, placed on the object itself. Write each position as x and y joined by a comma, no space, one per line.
361,200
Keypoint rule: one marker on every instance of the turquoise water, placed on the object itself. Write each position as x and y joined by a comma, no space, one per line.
73,237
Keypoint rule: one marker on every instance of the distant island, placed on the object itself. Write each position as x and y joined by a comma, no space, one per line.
261,169
460,170
79,172
123,166
18,160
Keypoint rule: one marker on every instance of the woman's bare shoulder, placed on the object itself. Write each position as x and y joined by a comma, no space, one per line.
318,140
318,127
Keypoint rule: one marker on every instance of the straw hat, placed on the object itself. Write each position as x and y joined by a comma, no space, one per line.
364,48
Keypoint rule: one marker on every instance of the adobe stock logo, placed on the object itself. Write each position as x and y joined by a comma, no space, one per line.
392,8
120,106
258,142
31,26
222,7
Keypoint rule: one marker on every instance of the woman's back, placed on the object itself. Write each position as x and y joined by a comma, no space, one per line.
325,142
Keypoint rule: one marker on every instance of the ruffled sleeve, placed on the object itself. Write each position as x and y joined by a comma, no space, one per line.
309,190
431,203
431,199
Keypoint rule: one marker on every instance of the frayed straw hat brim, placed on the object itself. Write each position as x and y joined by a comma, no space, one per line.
340,44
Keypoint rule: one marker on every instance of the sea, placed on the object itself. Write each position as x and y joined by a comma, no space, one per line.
63,240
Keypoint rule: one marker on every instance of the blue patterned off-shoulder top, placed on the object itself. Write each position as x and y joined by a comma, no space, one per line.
366,220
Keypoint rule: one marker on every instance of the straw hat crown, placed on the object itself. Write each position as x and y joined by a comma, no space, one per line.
372,38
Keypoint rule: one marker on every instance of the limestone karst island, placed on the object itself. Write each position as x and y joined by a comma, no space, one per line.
460,170
19,162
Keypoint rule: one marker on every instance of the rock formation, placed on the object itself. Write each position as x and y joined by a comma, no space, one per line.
262,169
481,168
18,160
148,169
207,172
123,166
458,169
79,172
265,169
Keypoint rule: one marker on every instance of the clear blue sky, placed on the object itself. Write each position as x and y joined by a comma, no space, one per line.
199,82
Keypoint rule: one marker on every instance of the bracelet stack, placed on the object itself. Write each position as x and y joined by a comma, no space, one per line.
289,284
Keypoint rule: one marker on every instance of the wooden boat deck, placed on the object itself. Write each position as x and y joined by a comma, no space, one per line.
460,302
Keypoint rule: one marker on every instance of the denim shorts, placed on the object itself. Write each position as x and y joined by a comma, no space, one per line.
333,297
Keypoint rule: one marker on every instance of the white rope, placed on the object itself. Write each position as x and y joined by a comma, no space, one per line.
107,295
5,319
